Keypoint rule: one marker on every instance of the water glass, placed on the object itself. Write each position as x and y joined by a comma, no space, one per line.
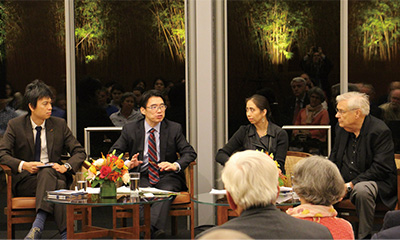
81,182
135,180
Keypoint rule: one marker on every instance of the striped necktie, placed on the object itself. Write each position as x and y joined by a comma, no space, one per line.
154,176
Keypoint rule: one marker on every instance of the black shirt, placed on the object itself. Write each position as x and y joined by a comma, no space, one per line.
350,169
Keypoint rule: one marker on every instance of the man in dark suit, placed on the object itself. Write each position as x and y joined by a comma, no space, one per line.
32,141
154,144
364,154
251,182
391,226
296,102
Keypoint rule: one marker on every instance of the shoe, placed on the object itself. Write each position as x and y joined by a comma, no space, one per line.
159,234
34,233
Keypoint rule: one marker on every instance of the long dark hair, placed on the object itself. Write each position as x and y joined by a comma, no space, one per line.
261,102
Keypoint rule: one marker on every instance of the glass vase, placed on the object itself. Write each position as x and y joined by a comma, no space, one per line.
108,189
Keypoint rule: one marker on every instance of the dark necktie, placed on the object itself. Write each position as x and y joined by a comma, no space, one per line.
296,110
154,176
38,143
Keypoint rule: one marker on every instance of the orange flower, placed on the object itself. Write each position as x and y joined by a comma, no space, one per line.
113,176
119,163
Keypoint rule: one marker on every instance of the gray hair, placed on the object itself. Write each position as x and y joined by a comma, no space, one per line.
318,91
355,100
318,181
251,178
298,79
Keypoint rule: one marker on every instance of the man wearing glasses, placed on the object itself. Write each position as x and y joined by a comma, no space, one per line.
364,154
154,144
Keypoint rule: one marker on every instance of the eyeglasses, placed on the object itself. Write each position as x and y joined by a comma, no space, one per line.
161,107
341,112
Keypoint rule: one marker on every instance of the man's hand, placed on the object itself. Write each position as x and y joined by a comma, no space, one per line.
59,168
134,161
31,166
167,166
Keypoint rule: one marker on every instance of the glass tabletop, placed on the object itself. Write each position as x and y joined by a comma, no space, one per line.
95,200
221,200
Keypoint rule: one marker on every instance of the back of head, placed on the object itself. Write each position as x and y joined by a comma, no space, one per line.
355,100
318,181
251,178
35,91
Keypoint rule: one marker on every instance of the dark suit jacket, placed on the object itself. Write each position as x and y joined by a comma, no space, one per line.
391,226
172,142
289,108
376,157
271,223
18,144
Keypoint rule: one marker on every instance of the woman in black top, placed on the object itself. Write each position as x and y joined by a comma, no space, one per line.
261,134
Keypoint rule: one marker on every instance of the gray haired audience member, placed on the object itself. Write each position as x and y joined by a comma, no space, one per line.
319,185
225,234
127,113
251,181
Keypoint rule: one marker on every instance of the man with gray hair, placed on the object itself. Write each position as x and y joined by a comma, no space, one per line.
251,182
364,154
295,103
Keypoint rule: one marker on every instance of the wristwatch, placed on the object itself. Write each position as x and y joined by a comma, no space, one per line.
348,187
67,166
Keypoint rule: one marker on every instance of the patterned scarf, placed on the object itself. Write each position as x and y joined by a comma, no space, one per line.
312,112
313,211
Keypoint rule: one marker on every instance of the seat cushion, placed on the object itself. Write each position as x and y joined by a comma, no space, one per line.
182,198
23,202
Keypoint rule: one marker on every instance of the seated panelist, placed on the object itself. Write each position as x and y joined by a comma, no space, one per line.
261,134
154,144
32,141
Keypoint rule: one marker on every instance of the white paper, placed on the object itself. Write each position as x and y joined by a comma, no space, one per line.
218,192
285,189
91,190
123,190
154,190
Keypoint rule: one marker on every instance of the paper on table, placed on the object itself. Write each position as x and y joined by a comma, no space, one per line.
285,189
46,165
155,190
217,191
91,190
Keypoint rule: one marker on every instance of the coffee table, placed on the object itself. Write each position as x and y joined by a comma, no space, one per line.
224,211
82,210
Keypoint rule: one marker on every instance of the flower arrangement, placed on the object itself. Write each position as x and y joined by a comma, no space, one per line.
110,168
282,177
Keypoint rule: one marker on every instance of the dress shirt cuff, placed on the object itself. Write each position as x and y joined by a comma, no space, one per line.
178,166
20,166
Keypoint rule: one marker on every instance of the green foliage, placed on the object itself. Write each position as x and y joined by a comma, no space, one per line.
93,28
276,26
169,22
376,29
9,27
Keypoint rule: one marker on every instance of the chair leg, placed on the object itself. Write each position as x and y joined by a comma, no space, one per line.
174,225
192,223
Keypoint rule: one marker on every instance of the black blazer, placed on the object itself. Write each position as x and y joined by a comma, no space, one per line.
172,142
376,156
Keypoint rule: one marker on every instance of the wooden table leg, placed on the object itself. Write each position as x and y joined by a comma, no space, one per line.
147,222
70,221
222,214
135,221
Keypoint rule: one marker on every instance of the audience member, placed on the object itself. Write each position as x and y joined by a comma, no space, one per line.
153,144
251,182
318,183
159,84
295,103
6,114
10,95
391,109
116,93
138,92
391,226
23,153
385,98
126,113
370,91
90,114
313,114
363,152
309,83
56,111
139,83
260,134
318,67
102,97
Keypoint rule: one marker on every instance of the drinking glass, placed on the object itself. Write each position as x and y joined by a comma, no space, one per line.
135,180
81,182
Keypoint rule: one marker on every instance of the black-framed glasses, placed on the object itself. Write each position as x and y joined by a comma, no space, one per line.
341,112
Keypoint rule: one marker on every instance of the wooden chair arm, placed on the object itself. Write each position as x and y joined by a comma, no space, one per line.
6,169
